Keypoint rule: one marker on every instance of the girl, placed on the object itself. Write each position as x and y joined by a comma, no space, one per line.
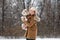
31,24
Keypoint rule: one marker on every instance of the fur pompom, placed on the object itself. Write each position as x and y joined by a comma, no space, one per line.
23,26
25,12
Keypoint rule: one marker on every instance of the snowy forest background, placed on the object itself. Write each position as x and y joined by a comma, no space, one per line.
48,11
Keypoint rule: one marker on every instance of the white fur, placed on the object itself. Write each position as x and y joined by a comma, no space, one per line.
23,26
23,18
25,12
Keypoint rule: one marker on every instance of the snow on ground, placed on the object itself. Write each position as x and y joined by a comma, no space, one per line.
3,38
36,39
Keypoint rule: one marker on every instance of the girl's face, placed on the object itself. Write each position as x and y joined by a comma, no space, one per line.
32,12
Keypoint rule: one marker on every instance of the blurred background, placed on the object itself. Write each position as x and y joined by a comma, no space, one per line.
48,11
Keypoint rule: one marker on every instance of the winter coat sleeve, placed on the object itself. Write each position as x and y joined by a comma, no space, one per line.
32,22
